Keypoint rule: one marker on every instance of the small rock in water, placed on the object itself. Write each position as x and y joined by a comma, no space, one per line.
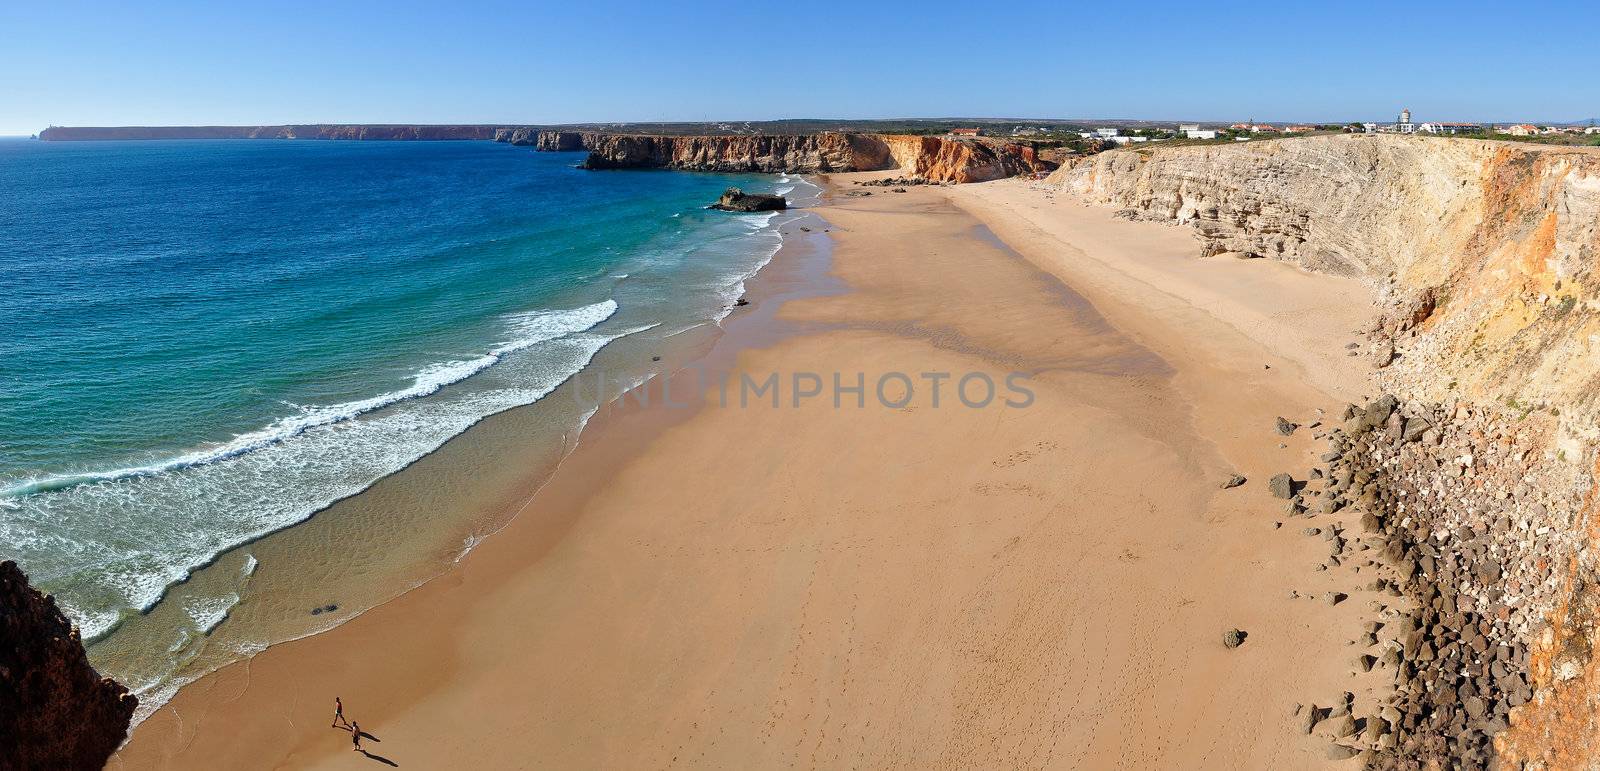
1233,481
1233,638
736,200
741,303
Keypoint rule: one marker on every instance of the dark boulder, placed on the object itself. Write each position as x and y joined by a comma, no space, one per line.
734,199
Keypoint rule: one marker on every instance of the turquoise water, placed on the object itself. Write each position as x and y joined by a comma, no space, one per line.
204,342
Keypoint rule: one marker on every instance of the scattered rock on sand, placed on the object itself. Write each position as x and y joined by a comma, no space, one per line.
1285,427
1233,481
1233,638
1281,486
1310,717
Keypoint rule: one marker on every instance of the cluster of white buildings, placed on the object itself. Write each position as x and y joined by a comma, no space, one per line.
1185,130
1530,130
1406,126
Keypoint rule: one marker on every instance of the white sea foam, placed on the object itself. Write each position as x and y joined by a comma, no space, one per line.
178,520
209,612
531,328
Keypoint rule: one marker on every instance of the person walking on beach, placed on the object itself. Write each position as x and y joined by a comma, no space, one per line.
355,736
338,713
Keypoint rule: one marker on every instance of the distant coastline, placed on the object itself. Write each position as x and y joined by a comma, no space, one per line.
923,157
286,131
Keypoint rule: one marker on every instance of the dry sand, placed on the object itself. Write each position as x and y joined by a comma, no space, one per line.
925,587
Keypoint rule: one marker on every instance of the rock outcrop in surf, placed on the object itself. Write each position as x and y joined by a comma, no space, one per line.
734,199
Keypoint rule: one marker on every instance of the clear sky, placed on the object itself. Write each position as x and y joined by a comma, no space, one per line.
161,62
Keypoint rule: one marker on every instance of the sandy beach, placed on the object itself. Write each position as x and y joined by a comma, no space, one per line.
918,585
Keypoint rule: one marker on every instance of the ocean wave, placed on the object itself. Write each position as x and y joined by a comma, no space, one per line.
186,517
530,328
735,286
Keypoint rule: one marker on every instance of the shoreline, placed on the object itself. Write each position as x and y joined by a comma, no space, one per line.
534,436
797,269
1166,428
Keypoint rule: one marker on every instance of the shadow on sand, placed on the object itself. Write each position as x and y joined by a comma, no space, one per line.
380,759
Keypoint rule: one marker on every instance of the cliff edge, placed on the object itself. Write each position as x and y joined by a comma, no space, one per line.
1484,255
55,710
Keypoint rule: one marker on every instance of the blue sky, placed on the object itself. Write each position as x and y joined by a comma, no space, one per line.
184,63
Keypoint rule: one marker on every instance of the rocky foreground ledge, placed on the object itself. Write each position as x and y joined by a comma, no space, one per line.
55,710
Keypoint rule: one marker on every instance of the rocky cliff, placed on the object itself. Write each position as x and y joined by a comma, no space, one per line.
1491,246
978,159
1485,256
55,710
932,158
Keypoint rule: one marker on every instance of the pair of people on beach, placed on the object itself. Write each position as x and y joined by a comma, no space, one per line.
352,727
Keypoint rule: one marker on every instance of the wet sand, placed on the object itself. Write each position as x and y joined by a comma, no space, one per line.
905,585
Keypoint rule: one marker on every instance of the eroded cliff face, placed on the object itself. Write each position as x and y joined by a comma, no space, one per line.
1492,246
980,159
1485,255
935,159
55,710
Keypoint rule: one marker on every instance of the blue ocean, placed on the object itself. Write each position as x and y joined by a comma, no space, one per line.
204,342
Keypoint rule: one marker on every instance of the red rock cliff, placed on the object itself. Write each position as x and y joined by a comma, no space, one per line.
977,159
933,158
55,710
809,153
